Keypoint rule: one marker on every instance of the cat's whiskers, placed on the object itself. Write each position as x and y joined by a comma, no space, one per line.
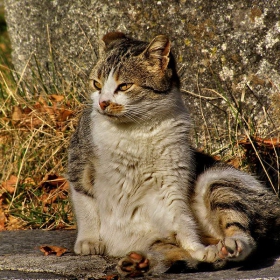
136,111
136,118
132,119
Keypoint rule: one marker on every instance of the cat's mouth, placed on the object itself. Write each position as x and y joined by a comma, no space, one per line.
112,110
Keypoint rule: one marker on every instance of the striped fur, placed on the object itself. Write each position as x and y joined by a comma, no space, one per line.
137,186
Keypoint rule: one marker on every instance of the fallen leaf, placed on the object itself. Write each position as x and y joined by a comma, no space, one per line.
235,162
271,142
5,138
25,117
3,220
29,181
3,196
15,223
65,114
17,113
53,250
110,277
267,142
56,97
10,184
52,181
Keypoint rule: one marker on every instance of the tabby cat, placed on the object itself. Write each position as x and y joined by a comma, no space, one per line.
139,190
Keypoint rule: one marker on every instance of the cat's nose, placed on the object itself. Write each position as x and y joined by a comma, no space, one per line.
104,104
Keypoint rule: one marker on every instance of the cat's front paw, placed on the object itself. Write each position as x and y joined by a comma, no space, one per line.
89,247
133,265
207,254
235,249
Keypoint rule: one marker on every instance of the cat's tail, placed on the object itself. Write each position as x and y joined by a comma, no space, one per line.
235,205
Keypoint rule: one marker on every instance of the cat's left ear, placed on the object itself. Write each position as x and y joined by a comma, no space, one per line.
107,39
159,49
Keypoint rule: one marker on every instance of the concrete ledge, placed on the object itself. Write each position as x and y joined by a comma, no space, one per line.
20,258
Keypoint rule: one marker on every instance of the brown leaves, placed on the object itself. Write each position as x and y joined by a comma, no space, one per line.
110,277
49,197
54,188
8,222
35,132
53,250
3,220
266,142
46,110
10,185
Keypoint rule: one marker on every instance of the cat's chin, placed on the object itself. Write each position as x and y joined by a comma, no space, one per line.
118,118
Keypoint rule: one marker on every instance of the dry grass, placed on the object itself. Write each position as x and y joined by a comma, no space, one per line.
34,140
34,135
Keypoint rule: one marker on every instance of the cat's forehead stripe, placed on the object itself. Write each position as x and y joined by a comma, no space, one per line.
118,56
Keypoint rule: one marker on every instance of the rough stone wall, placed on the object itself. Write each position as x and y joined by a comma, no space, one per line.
228,52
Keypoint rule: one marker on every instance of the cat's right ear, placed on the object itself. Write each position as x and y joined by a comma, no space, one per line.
159,50
108,39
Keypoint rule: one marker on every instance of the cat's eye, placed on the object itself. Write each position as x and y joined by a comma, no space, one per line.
97,85
124,86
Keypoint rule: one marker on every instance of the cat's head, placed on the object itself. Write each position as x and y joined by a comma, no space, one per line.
134,81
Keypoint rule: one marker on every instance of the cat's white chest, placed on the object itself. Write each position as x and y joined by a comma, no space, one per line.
133,185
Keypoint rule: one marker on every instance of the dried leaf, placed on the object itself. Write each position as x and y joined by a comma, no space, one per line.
271,142
54,181
53,250
267,142
110,277
3,220
5,138
2,198
48,198
56,97
29,181
15,223
43,107
10,184
17,113
235,162
65,114
25,117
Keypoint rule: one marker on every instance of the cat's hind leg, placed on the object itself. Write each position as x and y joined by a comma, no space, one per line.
225,204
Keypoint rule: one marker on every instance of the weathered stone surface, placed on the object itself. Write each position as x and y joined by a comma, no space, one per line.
19,253
228,52
20,258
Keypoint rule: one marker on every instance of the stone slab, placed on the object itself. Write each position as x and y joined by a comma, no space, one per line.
20,258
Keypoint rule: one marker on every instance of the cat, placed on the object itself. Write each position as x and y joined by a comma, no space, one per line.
139,190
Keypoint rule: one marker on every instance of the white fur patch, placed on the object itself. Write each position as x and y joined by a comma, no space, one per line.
139,187
109,88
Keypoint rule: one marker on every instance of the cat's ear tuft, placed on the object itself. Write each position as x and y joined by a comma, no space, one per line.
112,36
159,49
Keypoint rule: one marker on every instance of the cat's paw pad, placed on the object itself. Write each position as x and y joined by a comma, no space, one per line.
235,249
89,247
133,265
